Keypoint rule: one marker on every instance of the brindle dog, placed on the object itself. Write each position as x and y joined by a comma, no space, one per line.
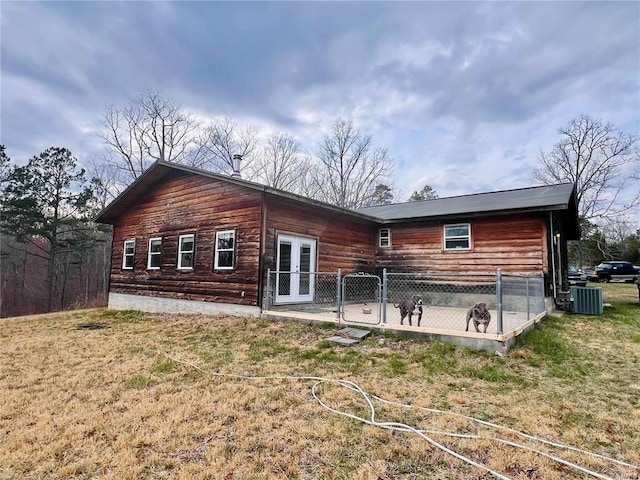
480,314
407,307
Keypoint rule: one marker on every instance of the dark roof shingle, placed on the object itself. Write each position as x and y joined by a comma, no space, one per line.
548,197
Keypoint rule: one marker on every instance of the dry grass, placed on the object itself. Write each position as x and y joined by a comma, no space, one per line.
105,403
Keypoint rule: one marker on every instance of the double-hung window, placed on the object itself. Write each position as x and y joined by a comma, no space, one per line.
128,254
384,237
186,250
457,237
225,249
154,260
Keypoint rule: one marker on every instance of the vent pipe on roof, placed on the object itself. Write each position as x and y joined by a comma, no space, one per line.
237,158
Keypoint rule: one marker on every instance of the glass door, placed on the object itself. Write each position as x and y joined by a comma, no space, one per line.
296,266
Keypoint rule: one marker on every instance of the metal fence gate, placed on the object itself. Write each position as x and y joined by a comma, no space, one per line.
371,300
361,299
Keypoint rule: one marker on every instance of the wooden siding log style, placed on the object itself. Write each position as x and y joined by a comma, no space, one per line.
514,243
183,204
343,241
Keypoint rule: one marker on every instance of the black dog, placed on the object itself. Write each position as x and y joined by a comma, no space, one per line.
480,315
407,307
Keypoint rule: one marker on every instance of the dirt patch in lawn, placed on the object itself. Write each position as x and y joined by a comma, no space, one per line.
126,401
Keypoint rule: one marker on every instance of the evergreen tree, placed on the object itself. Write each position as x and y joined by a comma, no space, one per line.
427,193
49,199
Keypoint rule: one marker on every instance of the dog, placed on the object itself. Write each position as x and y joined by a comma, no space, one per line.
480,315
408,307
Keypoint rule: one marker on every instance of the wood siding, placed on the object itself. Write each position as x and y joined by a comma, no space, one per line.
515,244
183,204
343,241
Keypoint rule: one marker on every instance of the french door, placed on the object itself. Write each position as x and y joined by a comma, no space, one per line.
296,265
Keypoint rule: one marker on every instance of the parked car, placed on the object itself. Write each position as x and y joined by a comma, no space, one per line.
591,274
612,271
577,277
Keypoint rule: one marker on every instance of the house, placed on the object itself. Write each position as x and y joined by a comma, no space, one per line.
523,231
185,239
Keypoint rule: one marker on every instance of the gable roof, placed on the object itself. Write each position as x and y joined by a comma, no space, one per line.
559,198
160,169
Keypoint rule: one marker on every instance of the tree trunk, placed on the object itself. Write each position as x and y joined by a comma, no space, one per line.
51,267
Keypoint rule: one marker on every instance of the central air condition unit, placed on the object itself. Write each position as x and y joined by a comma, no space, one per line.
587,300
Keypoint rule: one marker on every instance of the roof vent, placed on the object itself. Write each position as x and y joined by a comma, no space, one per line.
237,158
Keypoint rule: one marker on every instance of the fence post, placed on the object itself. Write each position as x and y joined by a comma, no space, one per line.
528,307
499,299
265,303
338,294
385,291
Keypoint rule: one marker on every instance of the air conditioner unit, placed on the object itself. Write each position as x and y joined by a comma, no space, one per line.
587,300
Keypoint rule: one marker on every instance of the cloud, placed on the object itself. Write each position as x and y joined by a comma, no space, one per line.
463,94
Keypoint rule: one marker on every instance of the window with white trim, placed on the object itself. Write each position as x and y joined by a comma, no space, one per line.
154,259
457,237
186,250
384,237
225,249
128,254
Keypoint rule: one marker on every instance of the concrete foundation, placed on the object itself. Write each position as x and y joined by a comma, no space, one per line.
121,301
491,341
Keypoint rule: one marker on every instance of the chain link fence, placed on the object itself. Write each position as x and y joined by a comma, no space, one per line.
446,298
361,300
522,299
453,302
315,293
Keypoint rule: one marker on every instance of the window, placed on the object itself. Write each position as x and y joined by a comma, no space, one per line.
128,254
154,260
225,246
457,237
185,251
384,237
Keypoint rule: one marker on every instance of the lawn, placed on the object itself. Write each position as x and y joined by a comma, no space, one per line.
119,394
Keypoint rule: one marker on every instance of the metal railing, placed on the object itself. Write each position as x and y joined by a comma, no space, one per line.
426,300
317,293
446,298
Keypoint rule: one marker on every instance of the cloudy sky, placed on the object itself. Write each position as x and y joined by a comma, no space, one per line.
464,95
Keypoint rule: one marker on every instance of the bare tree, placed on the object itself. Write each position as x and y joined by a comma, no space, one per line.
221,140
150,128
349,167
601,161
107,181
281,163
614,238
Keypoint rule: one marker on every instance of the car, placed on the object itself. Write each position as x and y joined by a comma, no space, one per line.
616,270
577,277
591,274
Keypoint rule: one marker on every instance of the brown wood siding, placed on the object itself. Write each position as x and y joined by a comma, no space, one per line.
515,243
183,204
343,241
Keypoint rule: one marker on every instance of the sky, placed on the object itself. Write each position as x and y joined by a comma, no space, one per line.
464,95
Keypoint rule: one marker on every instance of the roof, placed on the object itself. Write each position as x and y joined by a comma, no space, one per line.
160,169
560,197
533,199
548,197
